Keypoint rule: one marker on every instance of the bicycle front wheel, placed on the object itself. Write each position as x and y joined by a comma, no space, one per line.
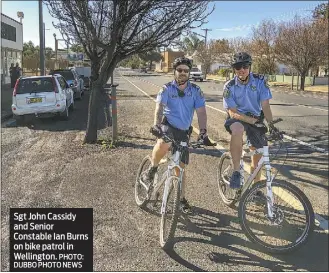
169,217
292,221
224,173
142,189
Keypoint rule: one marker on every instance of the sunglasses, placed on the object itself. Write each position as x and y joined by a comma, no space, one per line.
180,70
240,66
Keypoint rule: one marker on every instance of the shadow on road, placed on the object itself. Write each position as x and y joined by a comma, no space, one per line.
220,232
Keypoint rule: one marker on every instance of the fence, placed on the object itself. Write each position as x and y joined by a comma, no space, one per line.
31,66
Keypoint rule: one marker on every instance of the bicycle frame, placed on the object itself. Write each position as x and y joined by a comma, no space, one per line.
264,160
175,160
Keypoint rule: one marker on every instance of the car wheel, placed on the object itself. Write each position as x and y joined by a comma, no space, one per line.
65,114
72,106
201,80
79,96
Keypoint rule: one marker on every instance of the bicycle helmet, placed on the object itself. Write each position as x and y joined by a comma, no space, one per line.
241,58
182,60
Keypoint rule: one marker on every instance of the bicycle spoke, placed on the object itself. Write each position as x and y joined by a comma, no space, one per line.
291,222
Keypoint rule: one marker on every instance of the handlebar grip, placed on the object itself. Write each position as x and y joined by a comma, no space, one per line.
277,120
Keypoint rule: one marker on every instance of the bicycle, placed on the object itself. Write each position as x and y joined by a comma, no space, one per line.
172,187
272,210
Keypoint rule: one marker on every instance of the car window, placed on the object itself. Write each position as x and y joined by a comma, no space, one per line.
195,69
62,82
68,75
35,85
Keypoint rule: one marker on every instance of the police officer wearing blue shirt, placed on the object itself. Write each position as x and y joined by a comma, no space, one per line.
174,111
246,100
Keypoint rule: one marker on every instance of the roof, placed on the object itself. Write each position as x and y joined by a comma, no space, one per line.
36,77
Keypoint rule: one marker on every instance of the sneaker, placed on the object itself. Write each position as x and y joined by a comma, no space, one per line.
148,175
235,180
185,206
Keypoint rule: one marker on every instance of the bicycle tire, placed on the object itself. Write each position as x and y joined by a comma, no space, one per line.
141,202
299,195
230,202
166,242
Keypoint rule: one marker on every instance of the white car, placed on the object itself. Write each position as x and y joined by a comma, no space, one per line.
42,95
73,79
196,74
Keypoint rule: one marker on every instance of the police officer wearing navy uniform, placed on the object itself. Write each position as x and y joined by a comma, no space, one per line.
246,99
175,105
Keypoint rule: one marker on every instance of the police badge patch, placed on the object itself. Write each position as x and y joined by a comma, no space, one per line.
253,88
226,93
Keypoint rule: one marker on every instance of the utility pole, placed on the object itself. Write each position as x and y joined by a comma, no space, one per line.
41,36
205,37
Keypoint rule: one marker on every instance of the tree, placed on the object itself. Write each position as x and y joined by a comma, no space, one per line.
302,45
77,48
111,31
262,50
321,12
221,50
238,44
150,57
206,55
190,44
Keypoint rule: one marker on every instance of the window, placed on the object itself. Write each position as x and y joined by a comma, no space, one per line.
8,32
67,74
62,82
35,85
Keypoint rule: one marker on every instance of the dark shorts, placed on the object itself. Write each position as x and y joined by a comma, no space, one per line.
255,136
178,135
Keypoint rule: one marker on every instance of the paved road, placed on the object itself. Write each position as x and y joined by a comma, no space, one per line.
44,165
305,123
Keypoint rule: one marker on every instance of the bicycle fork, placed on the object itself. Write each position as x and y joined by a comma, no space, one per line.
167,188
269,179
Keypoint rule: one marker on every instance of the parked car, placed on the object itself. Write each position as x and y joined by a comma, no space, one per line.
84,71
73,79
196,74
42,95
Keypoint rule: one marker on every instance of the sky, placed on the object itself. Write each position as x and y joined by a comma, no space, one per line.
229,19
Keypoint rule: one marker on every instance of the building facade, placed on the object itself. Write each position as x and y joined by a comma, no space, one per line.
11,45
166,65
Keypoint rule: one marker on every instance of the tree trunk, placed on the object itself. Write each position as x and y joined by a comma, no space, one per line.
302,81
91,131
150,65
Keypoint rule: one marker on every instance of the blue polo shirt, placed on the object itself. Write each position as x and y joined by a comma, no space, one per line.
246,98
179,110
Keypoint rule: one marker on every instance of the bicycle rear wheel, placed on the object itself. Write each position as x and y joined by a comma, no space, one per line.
170,216
224,173
142,190
292,222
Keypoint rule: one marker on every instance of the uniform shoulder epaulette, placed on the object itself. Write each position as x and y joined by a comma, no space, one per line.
258,76
166,85
230,83
195,86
